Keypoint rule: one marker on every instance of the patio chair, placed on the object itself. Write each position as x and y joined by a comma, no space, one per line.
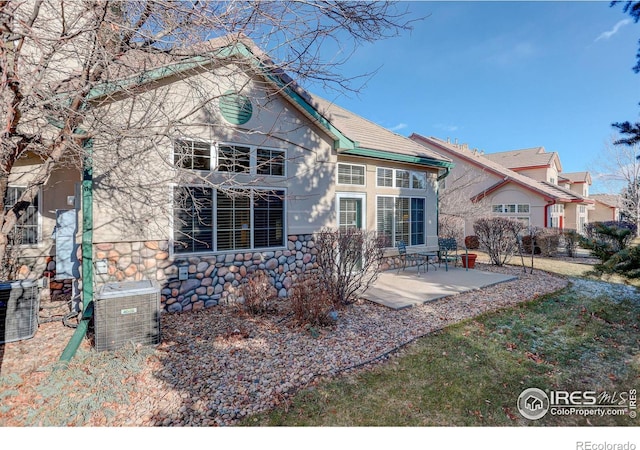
448,251
420,260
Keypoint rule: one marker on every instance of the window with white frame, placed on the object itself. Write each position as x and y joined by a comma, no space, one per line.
235,158
512,208
384,177
206,219
192,155
270,162
401,219
25,231
400,178
353,174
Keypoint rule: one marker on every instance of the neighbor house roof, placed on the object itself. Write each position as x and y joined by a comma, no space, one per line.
548,191
525,158
576,177
610,200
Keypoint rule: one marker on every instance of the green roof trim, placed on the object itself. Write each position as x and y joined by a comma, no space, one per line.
399,157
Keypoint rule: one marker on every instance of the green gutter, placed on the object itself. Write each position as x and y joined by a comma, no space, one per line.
398,157
87,256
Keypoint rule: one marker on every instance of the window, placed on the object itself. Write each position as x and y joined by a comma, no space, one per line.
270,162
192,155
401,178
401,219
351,174
522,208
25,232
208,220
418,180
234,158
385,177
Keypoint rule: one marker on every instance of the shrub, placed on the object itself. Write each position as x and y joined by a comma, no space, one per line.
498,237
472,242
259,295
348,262
527,242
548,239
626,262
571,240
605,239
311,301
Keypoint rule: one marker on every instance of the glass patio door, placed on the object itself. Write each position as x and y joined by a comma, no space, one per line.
351,216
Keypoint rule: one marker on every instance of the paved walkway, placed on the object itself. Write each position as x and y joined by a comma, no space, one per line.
408,288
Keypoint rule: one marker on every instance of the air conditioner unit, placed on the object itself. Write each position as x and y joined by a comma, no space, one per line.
19,305
127,312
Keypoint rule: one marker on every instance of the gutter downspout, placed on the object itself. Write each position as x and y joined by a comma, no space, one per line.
87,255
445,174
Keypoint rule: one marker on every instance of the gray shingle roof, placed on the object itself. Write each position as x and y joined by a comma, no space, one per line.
611,200
370,135
526,157
576,177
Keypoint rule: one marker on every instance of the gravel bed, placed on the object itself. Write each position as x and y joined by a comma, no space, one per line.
217,365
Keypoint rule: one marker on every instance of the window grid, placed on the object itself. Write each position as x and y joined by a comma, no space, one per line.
351,174
192,155
401,178
25,232
401,219
244,219
270,162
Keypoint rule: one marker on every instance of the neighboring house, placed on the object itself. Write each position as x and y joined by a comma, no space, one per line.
510,193
606,208
239,183
545,167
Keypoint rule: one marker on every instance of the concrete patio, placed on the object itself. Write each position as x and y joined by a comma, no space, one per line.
410,288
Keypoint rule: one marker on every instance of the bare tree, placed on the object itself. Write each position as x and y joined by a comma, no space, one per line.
67,65
619,168
455,204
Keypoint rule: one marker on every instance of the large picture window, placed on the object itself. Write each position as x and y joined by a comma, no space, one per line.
401,219
207,220
25,232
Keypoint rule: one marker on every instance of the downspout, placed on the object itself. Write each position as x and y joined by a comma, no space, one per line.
446,172
87,255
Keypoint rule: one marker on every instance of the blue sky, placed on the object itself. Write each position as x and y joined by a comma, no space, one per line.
505,75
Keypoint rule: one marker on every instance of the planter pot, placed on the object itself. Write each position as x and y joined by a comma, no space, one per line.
469,261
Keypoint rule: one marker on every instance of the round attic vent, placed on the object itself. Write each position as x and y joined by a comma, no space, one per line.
235,108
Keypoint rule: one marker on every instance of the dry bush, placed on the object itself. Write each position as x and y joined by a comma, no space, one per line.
348,262
472,242
498,236
548,239
311,301
259,294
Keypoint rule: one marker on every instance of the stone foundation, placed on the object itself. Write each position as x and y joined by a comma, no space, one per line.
211,279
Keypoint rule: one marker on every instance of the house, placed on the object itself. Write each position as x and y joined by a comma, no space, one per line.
507,192
545,167
606,207
231,168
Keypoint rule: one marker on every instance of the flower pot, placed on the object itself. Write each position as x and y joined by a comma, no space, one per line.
469,260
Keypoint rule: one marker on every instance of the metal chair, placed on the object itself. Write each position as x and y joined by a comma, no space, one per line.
448,251
420,260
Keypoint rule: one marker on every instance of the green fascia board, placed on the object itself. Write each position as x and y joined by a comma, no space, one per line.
398,157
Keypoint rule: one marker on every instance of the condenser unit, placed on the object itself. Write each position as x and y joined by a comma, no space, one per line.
19,304
127,312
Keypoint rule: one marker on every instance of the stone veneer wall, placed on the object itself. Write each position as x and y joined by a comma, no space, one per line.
212,279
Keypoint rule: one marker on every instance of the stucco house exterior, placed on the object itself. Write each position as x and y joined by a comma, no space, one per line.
606,207
527,192
235,170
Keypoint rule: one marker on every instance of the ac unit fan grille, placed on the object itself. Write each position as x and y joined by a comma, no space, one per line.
19,304
127,318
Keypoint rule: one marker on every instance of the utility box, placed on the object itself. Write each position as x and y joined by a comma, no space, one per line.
127,312
19,305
